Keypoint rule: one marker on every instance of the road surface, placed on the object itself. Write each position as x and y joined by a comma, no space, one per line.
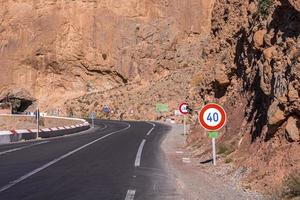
115,160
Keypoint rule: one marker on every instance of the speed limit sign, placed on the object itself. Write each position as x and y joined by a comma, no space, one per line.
183,108
212,117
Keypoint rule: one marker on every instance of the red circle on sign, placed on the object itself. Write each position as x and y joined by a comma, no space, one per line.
221,123
180,108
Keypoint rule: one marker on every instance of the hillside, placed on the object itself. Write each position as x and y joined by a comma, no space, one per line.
254,54
76,48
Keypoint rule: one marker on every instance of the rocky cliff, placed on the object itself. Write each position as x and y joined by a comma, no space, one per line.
254,48
57,50
77,56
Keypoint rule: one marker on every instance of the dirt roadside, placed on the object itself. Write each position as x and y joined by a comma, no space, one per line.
196,181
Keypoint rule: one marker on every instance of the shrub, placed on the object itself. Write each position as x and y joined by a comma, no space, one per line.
264,7
291,186
197,80
70,111
42,121
225,150
228,160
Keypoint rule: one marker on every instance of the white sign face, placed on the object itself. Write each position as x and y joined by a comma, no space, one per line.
212,117
183,108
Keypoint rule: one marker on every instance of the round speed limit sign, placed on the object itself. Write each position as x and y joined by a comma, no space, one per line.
183,108
212,117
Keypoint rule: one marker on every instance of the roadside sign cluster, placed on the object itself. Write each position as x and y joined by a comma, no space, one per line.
212,118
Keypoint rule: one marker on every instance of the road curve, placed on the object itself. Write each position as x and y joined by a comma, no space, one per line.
115,160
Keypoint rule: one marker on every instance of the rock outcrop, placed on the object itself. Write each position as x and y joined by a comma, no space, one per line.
257,43
292,129
80,47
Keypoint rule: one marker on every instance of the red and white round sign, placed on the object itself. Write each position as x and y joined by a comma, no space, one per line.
183,108
212,117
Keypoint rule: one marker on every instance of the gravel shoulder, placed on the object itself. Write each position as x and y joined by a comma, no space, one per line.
195,181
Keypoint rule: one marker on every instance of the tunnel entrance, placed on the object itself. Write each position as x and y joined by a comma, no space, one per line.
20,105
15,105
18,101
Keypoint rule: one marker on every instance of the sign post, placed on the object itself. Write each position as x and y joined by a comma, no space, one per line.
93,116
183,109
212,118
37,115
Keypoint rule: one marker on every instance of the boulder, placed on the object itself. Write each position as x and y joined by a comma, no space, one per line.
292,130
293,93
268,37
295,4
270,53
252,8
221,77
265,73
258,38
275,114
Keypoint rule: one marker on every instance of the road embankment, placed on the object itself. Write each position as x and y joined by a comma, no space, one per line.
12,130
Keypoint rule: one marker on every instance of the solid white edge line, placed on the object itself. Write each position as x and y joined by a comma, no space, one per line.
137,162
12,183
130,195
22,147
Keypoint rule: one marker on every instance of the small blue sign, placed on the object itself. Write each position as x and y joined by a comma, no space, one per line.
106,109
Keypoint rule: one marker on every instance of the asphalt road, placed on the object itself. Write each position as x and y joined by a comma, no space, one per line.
115,160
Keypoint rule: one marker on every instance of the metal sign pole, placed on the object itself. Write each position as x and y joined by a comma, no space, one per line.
38,122
214,151
184,124
93,121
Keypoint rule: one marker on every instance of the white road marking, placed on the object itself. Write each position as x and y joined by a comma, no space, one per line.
130,195
186,160
22,147
137,162
149,132
12,183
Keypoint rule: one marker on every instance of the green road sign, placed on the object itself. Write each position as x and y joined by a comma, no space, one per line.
160,107
213,134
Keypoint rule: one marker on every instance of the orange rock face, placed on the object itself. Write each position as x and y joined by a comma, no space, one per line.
58,50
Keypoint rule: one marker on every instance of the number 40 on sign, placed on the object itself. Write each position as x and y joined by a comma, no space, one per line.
212,118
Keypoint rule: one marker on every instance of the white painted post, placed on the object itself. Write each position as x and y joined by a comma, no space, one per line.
214,151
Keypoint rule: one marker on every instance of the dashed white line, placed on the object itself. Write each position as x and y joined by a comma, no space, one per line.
22,147
137,162
130,195
12,183
149,132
